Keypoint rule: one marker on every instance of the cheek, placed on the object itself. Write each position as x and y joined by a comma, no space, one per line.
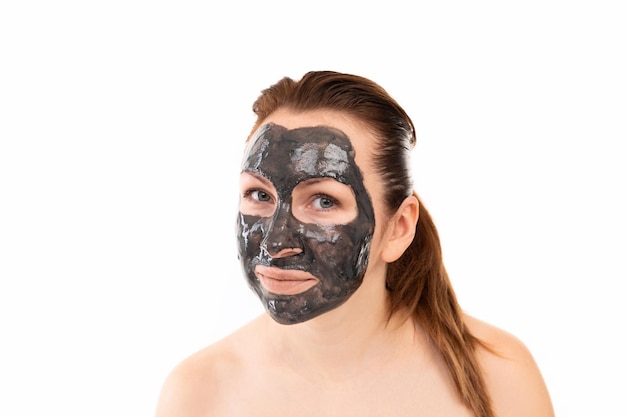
331,245
341,251
249,233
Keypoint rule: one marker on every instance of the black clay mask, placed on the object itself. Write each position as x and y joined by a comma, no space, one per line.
334,255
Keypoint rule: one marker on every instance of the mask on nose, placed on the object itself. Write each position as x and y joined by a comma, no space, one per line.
337,255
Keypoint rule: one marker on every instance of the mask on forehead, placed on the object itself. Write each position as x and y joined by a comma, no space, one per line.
337,255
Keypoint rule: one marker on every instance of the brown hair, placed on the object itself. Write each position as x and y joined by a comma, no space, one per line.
418,279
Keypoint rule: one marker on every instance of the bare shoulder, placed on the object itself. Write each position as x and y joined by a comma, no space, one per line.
188,389
514,380
195,387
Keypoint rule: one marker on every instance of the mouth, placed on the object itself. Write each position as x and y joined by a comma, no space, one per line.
284,281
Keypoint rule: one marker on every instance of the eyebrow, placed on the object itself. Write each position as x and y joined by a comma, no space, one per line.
260,178
311,182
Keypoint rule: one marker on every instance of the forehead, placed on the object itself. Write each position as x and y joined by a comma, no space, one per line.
294,155
359,136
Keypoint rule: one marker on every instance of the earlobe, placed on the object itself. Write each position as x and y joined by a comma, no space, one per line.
401,229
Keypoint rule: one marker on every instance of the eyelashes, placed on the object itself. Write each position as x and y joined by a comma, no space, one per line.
318,201
324,202
321,201
259,195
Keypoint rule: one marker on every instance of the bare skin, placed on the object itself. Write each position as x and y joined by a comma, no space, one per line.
394,373
352,360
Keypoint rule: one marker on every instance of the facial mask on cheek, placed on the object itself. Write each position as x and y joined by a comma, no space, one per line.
336,255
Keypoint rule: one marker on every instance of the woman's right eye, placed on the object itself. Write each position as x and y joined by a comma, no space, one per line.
258,195
257,202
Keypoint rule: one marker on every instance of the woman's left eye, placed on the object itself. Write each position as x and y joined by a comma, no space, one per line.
323,202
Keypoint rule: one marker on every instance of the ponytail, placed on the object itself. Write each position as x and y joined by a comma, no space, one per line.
418,281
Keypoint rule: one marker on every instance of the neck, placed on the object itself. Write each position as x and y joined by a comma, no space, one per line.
339,342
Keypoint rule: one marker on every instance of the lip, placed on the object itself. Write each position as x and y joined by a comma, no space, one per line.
284,281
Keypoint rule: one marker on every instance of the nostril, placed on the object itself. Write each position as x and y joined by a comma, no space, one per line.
283,235
278,250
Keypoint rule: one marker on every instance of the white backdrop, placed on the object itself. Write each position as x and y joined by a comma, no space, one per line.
121,127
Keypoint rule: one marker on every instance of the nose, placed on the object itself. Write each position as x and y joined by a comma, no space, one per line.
281,239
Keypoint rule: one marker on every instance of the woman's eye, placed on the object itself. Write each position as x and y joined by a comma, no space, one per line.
261,195
258,195
324,202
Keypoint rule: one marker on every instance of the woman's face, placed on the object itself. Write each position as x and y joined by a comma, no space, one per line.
306,218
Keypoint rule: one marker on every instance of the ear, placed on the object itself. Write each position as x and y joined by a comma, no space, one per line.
401,229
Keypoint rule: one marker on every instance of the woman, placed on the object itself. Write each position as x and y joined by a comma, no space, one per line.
361,317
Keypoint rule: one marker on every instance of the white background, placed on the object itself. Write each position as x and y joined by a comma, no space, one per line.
121,127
